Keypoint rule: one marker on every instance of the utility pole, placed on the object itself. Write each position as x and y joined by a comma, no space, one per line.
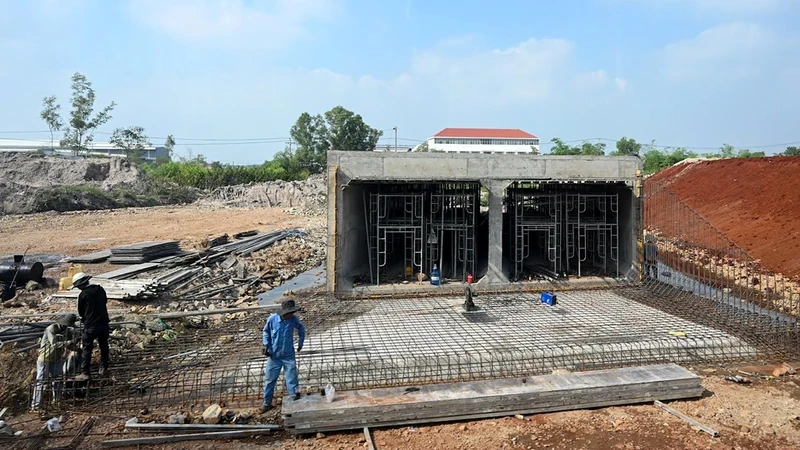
290,142
395,138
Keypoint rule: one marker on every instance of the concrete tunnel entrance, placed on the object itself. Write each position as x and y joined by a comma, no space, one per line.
408,228
503,220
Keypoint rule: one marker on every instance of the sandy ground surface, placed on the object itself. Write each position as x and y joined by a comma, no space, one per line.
762,415
82,232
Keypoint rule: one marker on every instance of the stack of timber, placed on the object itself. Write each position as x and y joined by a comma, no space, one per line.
143,252
389,407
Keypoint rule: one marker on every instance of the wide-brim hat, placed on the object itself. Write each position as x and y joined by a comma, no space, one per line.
287,307
80,279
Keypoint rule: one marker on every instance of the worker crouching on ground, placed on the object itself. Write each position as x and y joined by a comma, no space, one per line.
96,325
57,338
278,347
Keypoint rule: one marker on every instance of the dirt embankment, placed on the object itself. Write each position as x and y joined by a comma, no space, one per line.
30,182
754,202
308,195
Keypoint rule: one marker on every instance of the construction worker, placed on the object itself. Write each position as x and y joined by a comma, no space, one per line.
278,347
650,257
94,315
49,366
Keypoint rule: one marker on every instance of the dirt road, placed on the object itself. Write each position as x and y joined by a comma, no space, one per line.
81,232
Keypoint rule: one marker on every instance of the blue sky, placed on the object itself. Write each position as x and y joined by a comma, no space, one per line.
695,73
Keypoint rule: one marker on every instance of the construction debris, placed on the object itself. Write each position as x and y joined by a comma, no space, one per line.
143,252
212,414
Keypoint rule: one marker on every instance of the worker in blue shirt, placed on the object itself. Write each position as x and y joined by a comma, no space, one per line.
278,347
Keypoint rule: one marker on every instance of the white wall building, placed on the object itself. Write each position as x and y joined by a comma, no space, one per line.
483,140
95,148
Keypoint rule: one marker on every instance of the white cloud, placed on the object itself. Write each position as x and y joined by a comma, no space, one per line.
720,6
731,51
525,72
591,80
621,83
261,24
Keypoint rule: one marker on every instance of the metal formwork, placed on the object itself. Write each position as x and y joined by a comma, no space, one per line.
396,225
592,231
535,215
433,223
453,217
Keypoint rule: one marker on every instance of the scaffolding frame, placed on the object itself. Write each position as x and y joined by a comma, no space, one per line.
592,229
421,219
454,210
534,211
393,217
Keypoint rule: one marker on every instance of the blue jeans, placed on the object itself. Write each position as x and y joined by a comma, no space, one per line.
47,374
271,373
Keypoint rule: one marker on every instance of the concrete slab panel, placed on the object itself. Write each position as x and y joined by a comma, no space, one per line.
585,168
505,168
425,169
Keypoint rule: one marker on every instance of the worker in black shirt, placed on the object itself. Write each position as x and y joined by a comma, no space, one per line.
94,315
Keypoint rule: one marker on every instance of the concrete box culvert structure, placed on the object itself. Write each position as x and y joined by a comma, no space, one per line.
393,216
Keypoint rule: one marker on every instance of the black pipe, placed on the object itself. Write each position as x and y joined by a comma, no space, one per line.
23,272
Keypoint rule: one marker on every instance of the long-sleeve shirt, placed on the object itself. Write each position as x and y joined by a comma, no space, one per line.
54,340
92,307
278,335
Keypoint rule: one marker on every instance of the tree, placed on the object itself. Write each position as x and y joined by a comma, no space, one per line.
131,139
586,148
169,149
746,153
627,147
79,134
51,114
347,131
311,135
791,151
338,129
655,160
422,147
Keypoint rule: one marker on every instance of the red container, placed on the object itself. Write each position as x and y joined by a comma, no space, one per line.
469,279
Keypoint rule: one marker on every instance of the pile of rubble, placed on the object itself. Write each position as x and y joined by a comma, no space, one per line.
306,197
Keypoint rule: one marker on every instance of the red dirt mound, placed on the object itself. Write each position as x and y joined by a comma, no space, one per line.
755,202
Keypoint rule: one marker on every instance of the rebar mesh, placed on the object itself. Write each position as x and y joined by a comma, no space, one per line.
700,299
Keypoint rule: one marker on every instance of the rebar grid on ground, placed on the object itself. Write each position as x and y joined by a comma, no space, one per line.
702,299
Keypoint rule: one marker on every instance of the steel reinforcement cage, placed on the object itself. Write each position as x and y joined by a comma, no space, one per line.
700,299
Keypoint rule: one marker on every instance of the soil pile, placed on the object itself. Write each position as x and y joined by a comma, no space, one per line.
307,194
755,202
35,170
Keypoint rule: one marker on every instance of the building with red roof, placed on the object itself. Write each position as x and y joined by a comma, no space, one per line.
484,140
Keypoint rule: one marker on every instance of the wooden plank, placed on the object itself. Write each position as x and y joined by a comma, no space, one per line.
368,437
490,398
476,416
689,420
185,437
196,426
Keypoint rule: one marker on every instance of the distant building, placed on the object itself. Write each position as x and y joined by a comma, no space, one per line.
483,140
391,148
101,149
